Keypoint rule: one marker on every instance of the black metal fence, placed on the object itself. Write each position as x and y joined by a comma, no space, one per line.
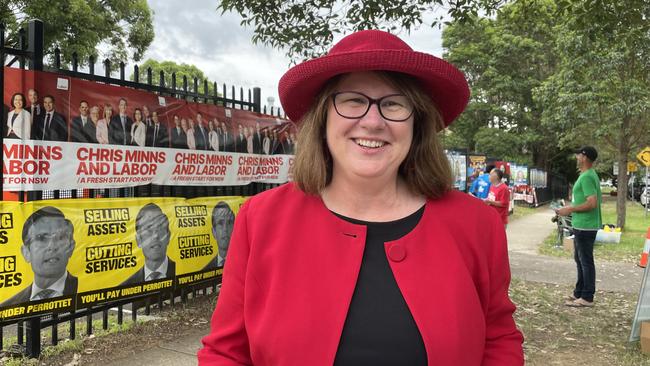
28,53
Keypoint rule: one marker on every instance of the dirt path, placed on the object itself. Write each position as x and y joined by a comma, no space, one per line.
527,233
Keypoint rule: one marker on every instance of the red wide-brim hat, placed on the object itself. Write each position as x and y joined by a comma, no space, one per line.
374,50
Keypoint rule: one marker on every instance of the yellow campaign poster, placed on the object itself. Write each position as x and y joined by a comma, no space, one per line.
13,267
204,227
124,248
73,253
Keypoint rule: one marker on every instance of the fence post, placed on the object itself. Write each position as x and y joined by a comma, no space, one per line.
35,44
2,90
34,337
257,100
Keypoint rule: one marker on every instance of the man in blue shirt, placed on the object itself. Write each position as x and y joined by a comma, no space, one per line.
481,185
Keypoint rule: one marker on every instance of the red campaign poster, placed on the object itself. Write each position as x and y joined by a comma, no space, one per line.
63,133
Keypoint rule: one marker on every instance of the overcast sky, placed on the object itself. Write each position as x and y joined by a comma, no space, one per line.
195,33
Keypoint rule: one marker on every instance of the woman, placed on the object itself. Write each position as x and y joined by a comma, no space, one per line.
266,143
213,136
102,125
371,258
248,133
191,140
138,129
19,124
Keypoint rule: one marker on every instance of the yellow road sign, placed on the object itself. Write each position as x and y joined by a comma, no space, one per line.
632,166
644,156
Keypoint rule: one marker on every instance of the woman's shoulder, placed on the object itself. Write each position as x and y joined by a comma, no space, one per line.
275,201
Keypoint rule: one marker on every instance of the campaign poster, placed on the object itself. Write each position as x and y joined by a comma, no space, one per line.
476,165
204,227
37,259
124,248
520,175
458,164
68,133
15,271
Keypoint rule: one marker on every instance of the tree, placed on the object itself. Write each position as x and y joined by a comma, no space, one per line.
601,91
169,67
305,28
505,59
123,26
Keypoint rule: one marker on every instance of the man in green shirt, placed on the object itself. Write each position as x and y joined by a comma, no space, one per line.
586,220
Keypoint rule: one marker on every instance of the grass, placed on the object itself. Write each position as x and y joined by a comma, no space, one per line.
559,335
632,239
607,190
69,345
121,341
521,211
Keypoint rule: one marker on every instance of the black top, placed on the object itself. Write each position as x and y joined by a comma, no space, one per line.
379,329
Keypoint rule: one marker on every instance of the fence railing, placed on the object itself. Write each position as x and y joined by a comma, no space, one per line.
28,53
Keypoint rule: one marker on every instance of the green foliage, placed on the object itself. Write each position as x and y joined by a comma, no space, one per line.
123,26
505,59
305,28
169,67
502,144
600,93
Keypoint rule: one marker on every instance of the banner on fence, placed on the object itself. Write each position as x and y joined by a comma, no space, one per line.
458,163
66,254
519,174
476,164
67,133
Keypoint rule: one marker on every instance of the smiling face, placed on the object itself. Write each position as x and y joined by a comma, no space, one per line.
369,146
18,101
83,109
33,96
122,106
108,112
94,114
49,247
48,104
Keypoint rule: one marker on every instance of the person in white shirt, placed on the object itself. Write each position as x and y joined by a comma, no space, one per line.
191,140
213,137
102,124
266,143
19,124
138,129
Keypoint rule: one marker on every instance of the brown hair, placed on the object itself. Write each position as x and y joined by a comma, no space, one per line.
425,169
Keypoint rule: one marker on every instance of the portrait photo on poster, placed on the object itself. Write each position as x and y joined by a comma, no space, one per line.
223,220
48,243
152,236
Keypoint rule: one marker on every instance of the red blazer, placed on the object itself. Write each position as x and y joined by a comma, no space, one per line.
292,268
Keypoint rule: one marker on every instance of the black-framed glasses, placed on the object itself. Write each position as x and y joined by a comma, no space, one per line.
353,105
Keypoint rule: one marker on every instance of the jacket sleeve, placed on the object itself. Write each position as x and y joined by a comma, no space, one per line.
227,343
503,341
